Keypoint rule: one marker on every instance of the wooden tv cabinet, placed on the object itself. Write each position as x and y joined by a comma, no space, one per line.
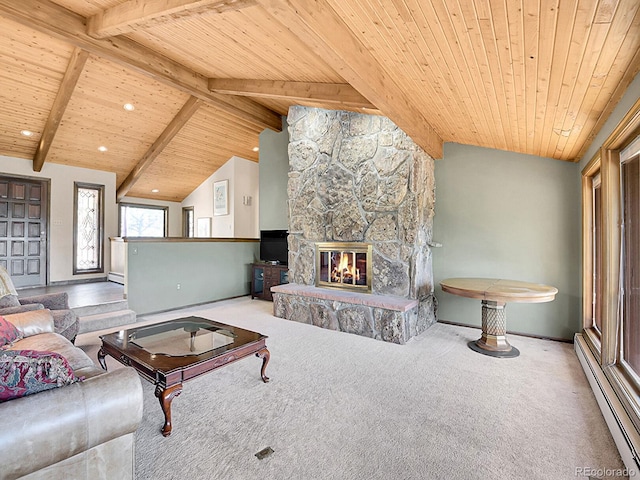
267,275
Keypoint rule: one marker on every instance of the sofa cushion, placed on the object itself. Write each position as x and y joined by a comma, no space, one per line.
24,372
53,342
8,333
32,323
21,309
9,301
52,301
65,323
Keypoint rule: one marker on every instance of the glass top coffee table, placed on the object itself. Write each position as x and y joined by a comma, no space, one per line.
174,351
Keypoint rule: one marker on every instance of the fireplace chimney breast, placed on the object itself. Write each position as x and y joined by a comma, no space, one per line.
356,178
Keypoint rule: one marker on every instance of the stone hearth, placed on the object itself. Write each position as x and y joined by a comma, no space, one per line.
384,317
359,178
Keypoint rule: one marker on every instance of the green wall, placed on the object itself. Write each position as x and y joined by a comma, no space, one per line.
274,175
513,216
206,271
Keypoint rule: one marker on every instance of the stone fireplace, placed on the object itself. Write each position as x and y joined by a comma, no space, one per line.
358,179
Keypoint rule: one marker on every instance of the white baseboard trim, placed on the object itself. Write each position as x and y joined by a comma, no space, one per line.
624,433
116,277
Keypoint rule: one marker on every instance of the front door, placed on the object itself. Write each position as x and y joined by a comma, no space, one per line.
23,230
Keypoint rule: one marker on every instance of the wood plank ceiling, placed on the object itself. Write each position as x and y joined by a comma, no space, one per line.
207,76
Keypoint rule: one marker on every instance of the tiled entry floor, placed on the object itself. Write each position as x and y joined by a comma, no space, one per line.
81,294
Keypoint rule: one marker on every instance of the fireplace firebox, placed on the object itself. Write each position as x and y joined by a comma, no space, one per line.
344,265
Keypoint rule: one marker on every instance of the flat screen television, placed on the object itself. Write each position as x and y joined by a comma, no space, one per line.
273,246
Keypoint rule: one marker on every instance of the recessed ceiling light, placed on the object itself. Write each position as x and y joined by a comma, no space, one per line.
255,149
26,133
155,190
102,148
129,107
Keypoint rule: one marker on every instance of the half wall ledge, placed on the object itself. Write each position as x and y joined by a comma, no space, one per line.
383,317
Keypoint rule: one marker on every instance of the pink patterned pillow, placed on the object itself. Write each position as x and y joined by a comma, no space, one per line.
8,333
23,372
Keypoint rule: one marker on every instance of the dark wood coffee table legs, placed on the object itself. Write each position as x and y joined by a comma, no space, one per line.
265,355
101,355
166,396
168,372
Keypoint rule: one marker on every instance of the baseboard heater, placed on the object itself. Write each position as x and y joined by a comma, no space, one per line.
116,277
622,430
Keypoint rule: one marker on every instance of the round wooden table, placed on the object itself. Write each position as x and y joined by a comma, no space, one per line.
495,293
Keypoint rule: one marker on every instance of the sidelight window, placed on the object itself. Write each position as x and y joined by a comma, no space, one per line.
88,228
597,254
592,251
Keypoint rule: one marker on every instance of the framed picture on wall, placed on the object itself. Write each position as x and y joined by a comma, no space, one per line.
221,197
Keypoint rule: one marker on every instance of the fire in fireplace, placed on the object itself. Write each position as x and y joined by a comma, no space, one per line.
344,265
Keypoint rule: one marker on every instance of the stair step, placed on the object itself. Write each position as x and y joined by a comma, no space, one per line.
108,320
85,310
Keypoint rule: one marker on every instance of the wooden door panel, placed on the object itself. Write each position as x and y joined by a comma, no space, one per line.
35,192
17,229
34,249
18,191
35,211
23,226
33,266
34,230
17,248
17,270
19,210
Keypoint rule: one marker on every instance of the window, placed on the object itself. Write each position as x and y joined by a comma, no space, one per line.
611,263
88,228
597,254
592,252
143,220
630,315
187,222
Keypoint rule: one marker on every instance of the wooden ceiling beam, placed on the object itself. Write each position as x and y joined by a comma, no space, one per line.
126,17
176,124
321,28
52,19
69,81
340,94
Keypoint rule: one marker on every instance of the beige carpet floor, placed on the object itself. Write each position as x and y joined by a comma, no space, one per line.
340,406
